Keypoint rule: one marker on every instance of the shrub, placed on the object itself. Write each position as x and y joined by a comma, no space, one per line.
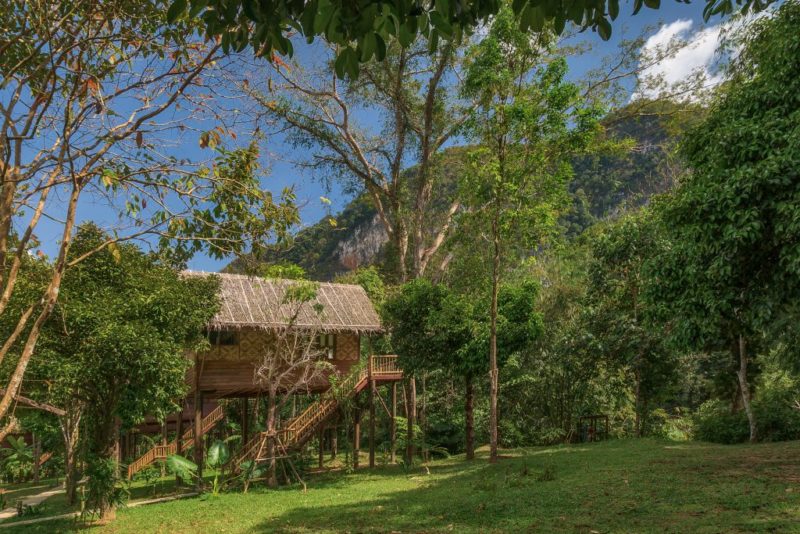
676,427
776,418
715,422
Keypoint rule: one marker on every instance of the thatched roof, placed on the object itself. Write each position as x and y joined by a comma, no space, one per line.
254,302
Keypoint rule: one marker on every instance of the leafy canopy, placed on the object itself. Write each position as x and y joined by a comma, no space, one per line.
363,28
734,260
434,328
116,340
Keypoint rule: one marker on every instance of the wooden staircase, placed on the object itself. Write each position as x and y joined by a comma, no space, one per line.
160,452
300,429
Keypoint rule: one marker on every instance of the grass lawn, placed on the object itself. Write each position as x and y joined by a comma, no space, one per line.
617,486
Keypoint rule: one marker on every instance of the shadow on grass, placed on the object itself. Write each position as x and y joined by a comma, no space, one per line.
614,487
457,495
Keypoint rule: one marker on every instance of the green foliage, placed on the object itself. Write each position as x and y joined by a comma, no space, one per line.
150,476
715,422
102,489
182,467
363,29
733,265
218,455
774,406
618,315
248,472
433,328
728,281
677,427
114,347
128,321
285,270
17,459
235,216
29,510
401,425
413,316
370,279
527,135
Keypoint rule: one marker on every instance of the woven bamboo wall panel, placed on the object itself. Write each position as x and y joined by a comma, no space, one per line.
347,347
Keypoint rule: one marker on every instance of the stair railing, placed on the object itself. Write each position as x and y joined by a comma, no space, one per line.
159,452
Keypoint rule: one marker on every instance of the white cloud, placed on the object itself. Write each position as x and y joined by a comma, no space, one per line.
679,59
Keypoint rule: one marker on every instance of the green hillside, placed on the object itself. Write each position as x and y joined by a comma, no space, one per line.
602,186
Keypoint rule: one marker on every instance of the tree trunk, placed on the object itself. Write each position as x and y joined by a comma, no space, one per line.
744,386
272,409
493,371
423,422
70,427
356,437
179,439
106,510
37,453
469,416
164,442
637,403
198,436
48,302
411,410
393,426
372,423
102,462
117,451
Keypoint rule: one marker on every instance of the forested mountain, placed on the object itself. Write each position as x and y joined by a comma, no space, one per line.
603,185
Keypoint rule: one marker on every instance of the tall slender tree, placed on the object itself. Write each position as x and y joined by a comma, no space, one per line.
530,122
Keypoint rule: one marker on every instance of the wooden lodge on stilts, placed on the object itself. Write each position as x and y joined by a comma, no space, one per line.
252,310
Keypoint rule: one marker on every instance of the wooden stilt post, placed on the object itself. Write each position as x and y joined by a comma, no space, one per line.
371,411
321,446
245,420
411,403
164,442
334,439
356,437
393,425
179,439
37,453
126,446
198,422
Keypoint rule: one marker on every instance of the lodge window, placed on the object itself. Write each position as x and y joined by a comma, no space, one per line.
223,338
327,343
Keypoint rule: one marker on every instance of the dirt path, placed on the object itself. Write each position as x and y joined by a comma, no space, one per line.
30,500
46,494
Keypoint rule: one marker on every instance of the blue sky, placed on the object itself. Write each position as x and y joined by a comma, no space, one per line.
673,19
309,188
